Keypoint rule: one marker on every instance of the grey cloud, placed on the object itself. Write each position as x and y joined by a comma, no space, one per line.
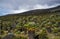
15,4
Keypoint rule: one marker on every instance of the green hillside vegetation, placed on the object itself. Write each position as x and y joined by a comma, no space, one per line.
41,26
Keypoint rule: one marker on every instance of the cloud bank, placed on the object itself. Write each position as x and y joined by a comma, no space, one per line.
18,6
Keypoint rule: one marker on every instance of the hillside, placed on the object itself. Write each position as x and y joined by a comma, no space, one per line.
34,24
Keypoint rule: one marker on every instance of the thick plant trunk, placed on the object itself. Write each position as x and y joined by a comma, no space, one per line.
49,29
31,34
25,31
1,26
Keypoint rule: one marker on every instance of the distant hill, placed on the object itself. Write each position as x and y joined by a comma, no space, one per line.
38,12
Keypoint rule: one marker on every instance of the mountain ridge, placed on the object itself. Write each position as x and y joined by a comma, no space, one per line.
38,11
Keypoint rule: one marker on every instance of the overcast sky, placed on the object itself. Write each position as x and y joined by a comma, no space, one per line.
16,6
